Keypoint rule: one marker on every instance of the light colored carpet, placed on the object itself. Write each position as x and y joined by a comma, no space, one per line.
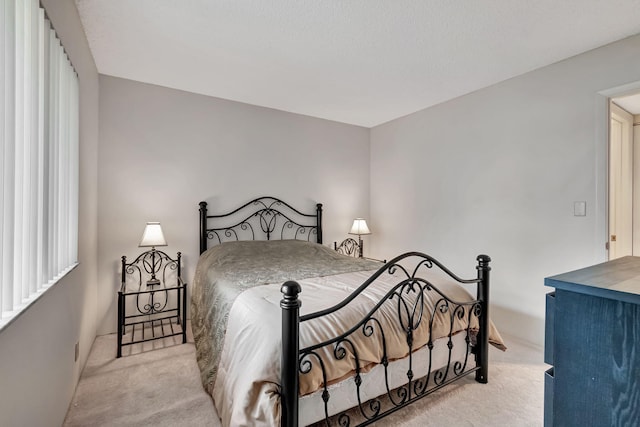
159,385
154,383
513,397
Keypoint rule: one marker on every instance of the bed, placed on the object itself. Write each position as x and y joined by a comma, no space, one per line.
369,339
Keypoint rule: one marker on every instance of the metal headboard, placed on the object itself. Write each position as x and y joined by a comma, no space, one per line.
264,218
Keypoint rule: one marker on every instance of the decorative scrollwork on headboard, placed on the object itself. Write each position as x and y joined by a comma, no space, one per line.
264,218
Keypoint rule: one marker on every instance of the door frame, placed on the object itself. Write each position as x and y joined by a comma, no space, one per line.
626,198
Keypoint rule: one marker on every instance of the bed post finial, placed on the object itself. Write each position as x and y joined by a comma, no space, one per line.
319,222
289,379
203,227
482,344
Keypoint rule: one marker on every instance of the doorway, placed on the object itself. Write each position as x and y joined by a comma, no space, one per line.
624,171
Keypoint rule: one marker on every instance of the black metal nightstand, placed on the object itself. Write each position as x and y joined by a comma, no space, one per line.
348,246
352,248
152,300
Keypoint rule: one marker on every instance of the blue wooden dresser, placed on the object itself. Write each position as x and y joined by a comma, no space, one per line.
592,341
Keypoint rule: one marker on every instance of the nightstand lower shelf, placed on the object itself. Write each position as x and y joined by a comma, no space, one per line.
149,330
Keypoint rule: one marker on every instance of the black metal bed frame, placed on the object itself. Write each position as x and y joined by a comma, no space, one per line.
408,298
261,219
411,313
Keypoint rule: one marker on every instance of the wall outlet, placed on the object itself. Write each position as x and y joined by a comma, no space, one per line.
77,351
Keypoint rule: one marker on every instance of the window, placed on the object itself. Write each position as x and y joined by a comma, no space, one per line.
39,126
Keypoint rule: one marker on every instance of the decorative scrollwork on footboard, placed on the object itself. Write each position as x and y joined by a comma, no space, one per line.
401,333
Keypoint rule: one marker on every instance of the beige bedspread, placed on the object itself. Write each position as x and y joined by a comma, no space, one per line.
227,270
244,380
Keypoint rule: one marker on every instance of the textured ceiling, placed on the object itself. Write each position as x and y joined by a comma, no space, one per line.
362,62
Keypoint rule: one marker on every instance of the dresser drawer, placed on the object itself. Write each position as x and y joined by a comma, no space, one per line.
549,328
548,398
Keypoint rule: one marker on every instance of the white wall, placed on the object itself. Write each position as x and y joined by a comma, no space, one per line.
162,151
38,374
497,172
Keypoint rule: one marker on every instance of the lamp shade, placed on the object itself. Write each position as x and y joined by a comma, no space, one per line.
152,235
359,227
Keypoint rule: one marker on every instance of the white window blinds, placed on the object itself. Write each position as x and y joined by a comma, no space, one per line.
39,131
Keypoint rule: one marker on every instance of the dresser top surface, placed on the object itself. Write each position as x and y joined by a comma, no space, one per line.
617,279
